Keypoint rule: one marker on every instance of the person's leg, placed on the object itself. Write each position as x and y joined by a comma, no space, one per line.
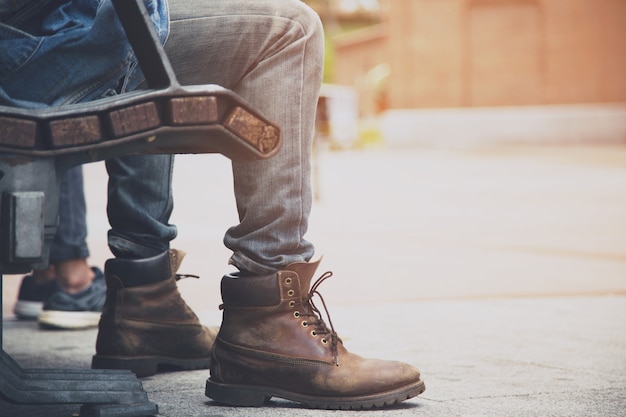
139,205
64,290
264,51
273,341
140,200
69,250
146,326
80,290
70,241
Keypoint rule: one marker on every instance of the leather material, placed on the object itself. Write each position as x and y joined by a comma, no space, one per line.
152,319
286,349
144,271
235,291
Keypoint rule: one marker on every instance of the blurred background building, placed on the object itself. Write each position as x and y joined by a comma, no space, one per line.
417,54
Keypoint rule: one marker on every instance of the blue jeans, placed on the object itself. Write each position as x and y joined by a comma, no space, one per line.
271,53
70,241
51,52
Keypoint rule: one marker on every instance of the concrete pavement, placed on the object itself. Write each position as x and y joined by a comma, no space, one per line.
500,272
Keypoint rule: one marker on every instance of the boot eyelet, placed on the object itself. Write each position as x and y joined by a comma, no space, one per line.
292,304
296,314
305,324
313,333
288,280
324,341
290,293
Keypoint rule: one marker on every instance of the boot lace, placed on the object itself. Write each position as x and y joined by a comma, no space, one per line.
317,319
178,277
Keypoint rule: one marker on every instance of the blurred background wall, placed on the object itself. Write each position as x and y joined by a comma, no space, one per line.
491,52
417,54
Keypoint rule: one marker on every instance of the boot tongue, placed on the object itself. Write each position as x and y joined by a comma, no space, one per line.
176,258
305,271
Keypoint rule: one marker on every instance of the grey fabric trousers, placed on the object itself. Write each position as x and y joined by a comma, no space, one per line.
270,52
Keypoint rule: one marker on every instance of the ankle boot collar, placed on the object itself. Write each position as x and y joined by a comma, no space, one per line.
136,272
268,290
256,291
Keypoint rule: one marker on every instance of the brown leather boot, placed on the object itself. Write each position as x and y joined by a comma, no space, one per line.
148,327
273,343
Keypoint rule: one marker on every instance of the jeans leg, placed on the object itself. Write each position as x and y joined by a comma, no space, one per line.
139,205
70,241
271,53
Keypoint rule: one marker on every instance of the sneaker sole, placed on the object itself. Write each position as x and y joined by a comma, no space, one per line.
149,365
254,396
70,320
27,310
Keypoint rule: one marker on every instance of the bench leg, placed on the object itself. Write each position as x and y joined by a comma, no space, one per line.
102,393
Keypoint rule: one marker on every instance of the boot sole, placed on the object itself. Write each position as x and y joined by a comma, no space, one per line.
255,396
149,365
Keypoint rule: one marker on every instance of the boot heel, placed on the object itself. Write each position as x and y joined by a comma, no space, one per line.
235,395
140,367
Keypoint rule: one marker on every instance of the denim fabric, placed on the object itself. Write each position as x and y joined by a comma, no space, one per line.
55,52
139,205
70,241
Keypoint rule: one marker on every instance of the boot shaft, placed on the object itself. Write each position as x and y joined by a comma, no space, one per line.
136,272
146,289
145,315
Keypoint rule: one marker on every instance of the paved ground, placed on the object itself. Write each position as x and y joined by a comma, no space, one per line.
500,272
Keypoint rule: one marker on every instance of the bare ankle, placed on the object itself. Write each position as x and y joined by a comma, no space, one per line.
74,275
